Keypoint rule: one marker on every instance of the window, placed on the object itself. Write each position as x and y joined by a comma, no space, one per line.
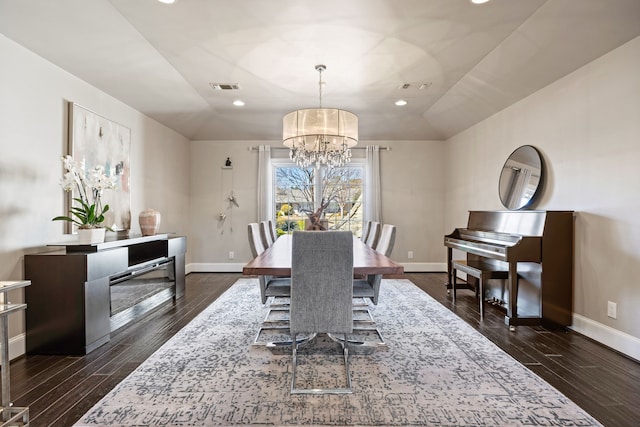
299,191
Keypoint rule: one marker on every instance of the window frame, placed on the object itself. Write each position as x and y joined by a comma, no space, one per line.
318,178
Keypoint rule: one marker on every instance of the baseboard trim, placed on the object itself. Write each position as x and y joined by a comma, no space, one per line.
617,340
211,267
424,267
17,346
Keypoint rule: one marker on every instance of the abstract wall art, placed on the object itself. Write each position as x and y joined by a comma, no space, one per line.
95,140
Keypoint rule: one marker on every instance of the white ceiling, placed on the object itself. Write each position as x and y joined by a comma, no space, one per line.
478,59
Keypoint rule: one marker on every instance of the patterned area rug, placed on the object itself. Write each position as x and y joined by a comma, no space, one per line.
437,371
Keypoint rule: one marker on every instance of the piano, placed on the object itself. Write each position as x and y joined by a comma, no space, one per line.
534,248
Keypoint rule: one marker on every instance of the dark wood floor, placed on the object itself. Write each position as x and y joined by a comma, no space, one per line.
60,389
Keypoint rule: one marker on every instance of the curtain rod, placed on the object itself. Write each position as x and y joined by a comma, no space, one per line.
286,148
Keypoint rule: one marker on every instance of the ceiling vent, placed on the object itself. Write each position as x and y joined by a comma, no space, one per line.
419,86
225,86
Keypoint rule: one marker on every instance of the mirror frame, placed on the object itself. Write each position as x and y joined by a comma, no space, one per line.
527,184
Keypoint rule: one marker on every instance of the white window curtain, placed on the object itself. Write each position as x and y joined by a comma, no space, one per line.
265,184
373,205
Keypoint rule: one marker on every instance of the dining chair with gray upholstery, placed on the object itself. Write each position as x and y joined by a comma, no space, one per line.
255,241
374,233
321,294
269,286
386,240
272,228
369,286
365,231
265,234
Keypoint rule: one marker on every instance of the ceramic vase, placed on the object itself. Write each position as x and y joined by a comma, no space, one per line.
87,236
149,222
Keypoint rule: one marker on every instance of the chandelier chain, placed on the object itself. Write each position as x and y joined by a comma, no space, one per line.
320,69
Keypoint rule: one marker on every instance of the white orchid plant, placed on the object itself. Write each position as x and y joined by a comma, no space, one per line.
89,185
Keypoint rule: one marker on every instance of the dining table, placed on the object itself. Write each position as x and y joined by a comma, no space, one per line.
276,260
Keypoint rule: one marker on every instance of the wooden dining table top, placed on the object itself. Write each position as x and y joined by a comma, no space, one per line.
276,260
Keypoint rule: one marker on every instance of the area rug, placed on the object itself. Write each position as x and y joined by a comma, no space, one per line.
436,371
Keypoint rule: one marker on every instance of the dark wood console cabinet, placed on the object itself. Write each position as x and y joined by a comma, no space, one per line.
68,302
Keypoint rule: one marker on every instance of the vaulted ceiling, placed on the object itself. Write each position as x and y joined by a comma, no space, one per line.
455,63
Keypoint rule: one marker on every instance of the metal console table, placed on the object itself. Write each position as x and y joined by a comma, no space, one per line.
11,416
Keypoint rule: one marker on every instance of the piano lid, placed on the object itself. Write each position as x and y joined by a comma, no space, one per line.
517,223
489,236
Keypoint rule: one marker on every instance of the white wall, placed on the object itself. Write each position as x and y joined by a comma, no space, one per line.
412,175
587,126
211,240
412,197
33,136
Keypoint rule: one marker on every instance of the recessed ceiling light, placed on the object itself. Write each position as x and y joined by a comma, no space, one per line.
167,1
401,102
238,103
479,1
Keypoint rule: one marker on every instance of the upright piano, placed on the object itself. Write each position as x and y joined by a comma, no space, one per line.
535,248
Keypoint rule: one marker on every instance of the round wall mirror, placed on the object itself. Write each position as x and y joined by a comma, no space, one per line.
521,177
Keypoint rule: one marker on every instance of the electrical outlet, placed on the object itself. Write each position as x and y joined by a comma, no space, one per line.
231,255
410,255
612,309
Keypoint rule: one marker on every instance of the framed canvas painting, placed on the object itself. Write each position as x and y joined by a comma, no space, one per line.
95,141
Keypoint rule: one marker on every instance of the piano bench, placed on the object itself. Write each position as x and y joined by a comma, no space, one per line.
481,271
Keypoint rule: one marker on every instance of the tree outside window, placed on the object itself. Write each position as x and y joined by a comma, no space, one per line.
299,191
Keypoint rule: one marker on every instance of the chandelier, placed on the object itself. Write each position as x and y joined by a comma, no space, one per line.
317,136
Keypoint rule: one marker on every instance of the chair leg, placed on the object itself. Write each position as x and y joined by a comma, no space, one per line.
481,297
256,341
345,349
294,364
276,344
360,325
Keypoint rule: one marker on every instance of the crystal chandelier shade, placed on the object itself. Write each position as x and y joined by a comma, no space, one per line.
317,136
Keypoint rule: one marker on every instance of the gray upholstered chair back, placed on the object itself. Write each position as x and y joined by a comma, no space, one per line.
321,282
387,240
272,228
255,241
374,232
365,231
265,234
